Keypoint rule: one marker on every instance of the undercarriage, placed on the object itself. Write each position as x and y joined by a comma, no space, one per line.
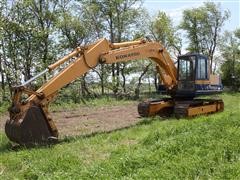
180,108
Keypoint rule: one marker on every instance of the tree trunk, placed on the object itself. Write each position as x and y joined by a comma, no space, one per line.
124,77
149,85
113,65
5,66
2,79
117,76
102,78
156,81
84,87
45,56
137,89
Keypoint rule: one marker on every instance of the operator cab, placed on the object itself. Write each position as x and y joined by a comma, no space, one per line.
194,77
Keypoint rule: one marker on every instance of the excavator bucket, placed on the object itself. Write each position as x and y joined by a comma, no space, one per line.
32,128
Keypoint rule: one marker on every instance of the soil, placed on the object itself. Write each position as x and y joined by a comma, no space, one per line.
88,120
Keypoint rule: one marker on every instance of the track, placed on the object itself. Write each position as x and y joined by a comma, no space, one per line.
197,107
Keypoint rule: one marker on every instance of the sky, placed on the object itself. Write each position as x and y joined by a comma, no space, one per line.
174,9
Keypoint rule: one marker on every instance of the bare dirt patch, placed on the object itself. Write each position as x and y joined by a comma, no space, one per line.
87,120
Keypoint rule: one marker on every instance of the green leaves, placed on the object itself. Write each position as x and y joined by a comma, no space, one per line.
229,46
27,31
163,31
72,30
203,25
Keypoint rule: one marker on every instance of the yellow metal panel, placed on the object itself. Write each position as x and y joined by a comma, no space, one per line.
214,79
205,109
200,82
126,44
158,106
152,50
74,70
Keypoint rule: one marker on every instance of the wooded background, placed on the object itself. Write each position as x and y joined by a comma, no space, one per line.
35,33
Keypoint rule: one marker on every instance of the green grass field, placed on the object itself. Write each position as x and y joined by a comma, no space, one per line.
206,147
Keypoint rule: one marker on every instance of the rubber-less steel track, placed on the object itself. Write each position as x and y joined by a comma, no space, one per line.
162,107
197,107
180,108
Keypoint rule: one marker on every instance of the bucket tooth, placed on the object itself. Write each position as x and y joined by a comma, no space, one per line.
32,128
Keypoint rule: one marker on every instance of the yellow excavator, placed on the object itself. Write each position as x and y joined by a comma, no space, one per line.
30,121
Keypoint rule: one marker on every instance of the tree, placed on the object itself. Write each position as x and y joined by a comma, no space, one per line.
119,19
17,44
73,32
2,74
203,26
45,14
95,23
27,44
163,31
144,67
230,51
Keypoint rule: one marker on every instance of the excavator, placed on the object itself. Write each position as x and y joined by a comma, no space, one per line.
30,121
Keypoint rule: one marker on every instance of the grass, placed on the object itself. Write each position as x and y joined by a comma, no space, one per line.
69,105
3,107
206,147
94,102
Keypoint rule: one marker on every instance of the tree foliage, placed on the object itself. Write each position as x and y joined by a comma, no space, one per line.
230,49
162,29
35,33
203,26
118,21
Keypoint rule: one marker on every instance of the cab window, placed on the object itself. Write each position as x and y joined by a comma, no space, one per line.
202,68
186,68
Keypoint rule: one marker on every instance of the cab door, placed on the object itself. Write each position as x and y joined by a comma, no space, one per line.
202,83
186,76
202,68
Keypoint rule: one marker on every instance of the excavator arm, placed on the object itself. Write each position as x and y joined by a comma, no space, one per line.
30,121
105,52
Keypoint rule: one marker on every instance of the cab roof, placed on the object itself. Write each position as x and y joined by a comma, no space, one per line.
193,54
